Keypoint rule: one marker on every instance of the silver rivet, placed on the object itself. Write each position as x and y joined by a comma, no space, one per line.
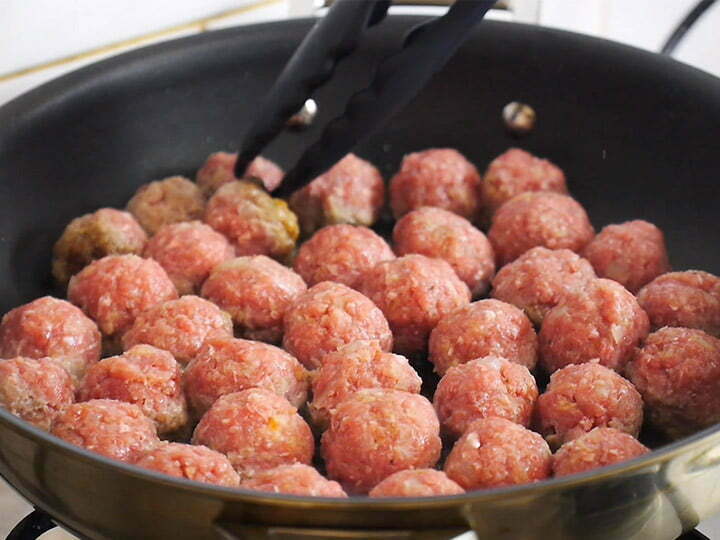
519,117
304,117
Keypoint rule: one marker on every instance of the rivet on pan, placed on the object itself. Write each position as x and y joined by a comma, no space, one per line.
304,117
519,118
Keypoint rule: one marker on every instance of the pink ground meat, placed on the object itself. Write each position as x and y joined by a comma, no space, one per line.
416,483
219,169
294,479
167,201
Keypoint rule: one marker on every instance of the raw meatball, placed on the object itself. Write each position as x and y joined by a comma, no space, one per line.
112,428
534,219
377,432
341,253
253,222
416,483
352,191
584,396
219,169
167,201
687,299
179,327
227,365
600,447
328,316
257,430
631,253
435,232
148,377
414,292
294,479
484,328
358,365
93,236
538,279
677,372
35,389
51,327
600,321
439,177
188,252
496,452
489,386
256,292
197,463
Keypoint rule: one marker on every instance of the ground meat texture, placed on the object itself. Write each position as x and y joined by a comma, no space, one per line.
416,483
377,432
677,372
439,177
114,290
585,396
294,479
599,448
256,292
188,252
414,292
533,219
489,386
219,169
112,428
686,299
352,192
35,389
435,232
93,236
167,201
192,462
328,316
496,452
538,279
341,253
179,326
227,365
358,365
483,328
51,327
146,376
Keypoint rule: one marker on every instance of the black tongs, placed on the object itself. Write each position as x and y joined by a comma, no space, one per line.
397,80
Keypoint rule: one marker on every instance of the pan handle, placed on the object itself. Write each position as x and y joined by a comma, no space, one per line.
235,531
32,526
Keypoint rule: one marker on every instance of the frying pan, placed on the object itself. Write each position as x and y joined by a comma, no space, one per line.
636,134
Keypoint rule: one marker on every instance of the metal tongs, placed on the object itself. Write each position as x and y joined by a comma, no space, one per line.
398,79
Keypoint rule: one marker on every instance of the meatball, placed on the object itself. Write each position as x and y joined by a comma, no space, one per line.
296,479
188,252
256,292
416,483
677,372
687,299
35,389
341,253
538,279
483,328
226,365
219,169
439,177
93,236
179,327
581,397
253,222
414,292
51,327
352,191
496,452
167,201
358,365
257,430
532,219
601,320
148,377
600,447
328,316
489,386
112,428
197,463
114,290
435,232
377,432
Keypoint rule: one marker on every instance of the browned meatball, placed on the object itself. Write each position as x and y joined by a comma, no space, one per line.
167,201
